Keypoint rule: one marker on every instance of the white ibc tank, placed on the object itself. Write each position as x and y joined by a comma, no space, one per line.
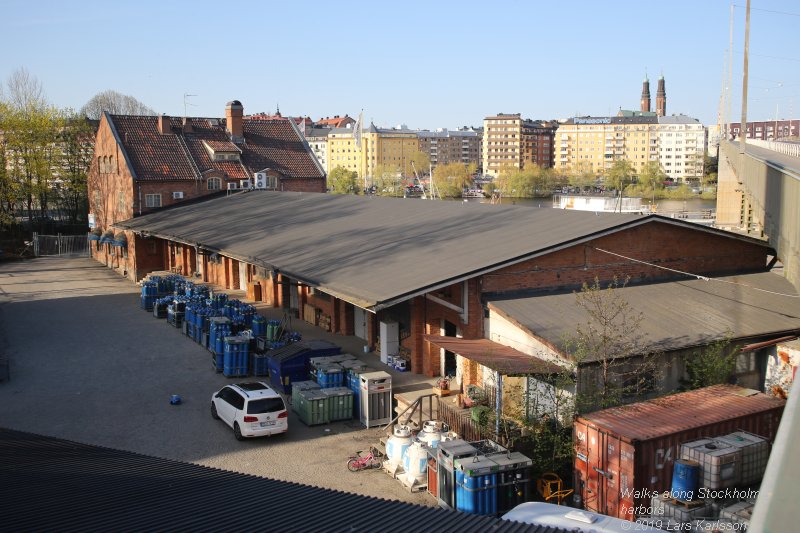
431,433
415,462
397,444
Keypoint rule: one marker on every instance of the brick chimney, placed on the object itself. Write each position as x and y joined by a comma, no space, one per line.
164,126
233,120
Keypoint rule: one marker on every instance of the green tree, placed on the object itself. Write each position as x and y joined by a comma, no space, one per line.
343,181
712,365
581,175
653,177
76,142
31,129
387,179
421,163
452,178
619,175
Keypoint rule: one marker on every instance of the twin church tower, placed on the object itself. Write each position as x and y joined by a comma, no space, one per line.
661,97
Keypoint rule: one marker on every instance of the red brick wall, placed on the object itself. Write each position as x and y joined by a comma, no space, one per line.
304,185
660,243
428,316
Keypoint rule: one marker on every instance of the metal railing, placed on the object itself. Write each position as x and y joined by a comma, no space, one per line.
792,149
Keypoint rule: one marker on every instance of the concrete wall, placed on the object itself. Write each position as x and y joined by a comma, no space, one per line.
772,197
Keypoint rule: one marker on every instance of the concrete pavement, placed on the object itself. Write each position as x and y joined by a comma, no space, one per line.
87,364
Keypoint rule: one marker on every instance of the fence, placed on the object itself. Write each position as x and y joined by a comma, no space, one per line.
792,149
460,421
61,245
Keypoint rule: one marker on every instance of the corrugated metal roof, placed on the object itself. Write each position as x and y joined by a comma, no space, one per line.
503,359
57,485
677,314
681,412
374,252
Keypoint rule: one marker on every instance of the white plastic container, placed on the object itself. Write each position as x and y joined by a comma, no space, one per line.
397,444
415,463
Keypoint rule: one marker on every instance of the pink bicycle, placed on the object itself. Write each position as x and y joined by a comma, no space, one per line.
358,462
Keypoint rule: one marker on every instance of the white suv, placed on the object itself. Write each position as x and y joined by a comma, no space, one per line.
251,409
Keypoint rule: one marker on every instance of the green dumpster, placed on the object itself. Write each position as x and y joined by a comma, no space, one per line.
312,407
340,403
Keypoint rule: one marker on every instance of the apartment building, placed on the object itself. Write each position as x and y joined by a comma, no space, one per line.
317,139
445,146
509,141
593,144
681,147
389,147
766,130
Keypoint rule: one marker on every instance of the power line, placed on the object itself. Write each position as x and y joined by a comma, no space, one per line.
698,276
771,11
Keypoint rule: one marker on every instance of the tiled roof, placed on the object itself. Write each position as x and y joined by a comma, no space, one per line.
335,122
222,146
50,484
181,155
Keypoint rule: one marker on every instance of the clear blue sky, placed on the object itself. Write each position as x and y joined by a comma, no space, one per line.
425,64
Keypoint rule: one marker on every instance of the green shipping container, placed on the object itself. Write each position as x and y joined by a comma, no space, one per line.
340,403
312,407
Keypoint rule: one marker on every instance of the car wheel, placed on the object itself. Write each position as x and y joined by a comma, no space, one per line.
214,413
237,432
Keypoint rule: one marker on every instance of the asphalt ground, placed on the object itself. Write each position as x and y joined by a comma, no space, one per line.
89,365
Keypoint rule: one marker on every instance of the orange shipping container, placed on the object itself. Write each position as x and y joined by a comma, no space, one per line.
625,455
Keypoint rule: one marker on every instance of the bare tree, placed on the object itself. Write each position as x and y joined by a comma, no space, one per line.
23,91
114,103
614,359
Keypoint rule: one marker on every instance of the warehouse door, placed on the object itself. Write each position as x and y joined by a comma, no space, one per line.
360,322
243,276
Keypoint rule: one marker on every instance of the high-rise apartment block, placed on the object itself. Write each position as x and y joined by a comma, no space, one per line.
593,144
509,141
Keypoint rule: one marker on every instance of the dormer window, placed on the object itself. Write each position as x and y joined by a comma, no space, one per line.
223,150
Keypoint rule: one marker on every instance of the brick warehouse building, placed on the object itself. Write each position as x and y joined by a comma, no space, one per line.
357,262
144,163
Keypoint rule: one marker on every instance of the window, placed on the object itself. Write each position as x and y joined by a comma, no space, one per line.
121,201
214,184
152,200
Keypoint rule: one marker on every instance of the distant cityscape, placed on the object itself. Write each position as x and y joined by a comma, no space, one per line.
509,141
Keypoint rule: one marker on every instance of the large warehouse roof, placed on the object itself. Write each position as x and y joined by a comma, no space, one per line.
680,314
49,484
374,252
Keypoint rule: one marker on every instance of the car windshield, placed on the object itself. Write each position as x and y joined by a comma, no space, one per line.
265,405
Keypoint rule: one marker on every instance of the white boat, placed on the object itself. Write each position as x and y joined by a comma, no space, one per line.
472,193
601,204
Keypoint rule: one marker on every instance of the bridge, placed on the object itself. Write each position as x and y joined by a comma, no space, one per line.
758,193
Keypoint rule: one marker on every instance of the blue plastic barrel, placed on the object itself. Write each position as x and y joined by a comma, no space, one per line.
685,479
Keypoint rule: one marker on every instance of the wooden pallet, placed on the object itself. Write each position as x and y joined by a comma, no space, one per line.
414,486
686,504
394,471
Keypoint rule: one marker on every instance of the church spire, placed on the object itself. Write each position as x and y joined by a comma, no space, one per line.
645,107
661,97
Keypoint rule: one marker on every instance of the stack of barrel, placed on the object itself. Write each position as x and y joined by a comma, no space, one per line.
236,355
